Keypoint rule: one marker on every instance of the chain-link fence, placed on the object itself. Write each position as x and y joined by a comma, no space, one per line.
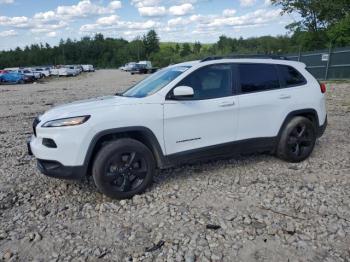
326,64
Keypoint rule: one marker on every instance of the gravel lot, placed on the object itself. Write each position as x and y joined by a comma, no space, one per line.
267,209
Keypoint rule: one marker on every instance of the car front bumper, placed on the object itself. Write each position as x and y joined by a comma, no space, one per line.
56,169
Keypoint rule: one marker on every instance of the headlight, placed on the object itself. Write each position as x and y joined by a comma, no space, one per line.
71,121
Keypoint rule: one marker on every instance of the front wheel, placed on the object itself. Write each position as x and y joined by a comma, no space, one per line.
123,168
297,140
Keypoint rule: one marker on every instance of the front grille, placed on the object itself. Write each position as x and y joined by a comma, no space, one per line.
35,123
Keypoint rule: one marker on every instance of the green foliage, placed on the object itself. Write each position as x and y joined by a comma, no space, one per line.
308,34
197,47
340,33
151,42
166,56
322,22
315,14
177,48
185,50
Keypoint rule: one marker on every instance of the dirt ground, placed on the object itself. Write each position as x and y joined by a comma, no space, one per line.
266,209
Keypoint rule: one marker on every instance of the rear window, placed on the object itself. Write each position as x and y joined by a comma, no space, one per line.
258,77
290,76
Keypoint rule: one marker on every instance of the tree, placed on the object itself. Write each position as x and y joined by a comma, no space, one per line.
317,16
114,52
340,32
137,49
309,10
197,47
225,45
151,42
186,50
177,48
165,57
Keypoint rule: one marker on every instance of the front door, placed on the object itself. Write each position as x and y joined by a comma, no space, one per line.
209,118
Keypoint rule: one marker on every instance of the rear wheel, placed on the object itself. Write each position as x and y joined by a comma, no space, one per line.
123,168
297,140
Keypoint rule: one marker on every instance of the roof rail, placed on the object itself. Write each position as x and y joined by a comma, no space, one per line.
277,57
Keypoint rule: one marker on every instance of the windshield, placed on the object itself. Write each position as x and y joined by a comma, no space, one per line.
155,82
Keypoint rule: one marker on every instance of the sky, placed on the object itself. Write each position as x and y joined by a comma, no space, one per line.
25,22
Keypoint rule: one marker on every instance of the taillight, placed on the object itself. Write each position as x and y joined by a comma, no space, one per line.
323,88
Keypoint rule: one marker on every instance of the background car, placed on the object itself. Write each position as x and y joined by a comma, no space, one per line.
129,66
27,72
139,69
88,68
12,78
44,71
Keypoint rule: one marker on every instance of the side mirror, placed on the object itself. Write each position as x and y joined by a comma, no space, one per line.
183,92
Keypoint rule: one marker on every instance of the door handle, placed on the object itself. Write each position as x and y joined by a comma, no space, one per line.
227,104
284,96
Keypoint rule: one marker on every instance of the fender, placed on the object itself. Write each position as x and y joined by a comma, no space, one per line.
146,135
301,112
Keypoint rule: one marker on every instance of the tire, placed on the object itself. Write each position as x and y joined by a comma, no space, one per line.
297,140
123,168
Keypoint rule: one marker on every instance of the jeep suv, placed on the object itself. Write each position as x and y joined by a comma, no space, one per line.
185,112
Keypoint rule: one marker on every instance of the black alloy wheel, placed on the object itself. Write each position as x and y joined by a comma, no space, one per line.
297,140
123,168
300,140
125,171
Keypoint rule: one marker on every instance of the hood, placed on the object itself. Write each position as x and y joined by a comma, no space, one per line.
84,107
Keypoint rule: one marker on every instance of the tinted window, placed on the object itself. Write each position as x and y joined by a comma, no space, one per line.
291,76
210,82
258,77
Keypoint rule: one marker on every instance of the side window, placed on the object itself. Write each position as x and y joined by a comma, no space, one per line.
209,82
258,77
290,76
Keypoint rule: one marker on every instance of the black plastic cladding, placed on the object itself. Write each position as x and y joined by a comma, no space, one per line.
35,124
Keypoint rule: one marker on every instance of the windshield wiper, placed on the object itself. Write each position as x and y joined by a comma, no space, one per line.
118,94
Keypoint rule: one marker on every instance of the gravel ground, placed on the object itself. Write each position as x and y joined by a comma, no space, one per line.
252,208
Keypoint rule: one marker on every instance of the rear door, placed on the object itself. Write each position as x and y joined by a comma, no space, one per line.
263,100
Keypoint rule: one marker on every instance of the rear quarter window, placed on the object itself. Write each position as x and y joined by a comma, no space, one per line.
290,76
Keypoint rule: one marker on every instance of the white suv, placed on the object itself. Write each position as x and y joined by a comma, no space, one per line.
185,112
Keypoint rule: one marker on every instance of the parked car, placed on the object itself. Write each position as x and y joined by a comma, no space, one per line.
129,66
190,111
79,68
68,71
55,71
27,72
44,71
88,68
139,69
143,67
11,69
15,78
1,73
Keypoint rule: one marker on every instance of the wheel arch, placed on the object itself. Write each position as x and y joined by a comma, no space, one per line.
139,133
309,113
